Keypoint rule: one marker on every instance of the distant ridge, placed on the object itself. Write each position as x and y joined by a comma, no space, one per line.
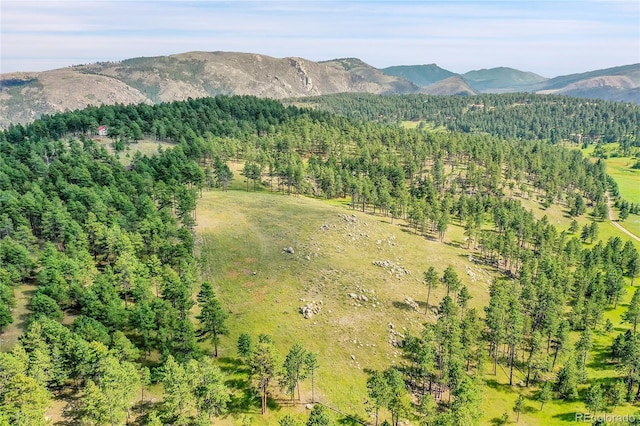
455,85
502,79
421,75
26,96
631,71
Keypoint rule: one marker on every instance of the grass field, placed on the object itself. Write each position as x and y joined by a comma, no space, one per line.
242,236
145,147
628,181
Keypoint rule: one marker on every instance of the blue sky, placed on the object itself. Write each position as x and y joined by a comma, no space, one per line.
546,37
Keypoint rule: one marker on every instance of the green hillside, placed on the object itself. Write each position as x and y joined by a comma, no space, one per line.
421,75
267,257
502,79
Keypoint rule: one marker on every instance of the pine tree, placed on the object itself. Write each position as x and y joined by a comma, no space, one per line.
378,391
518,407
544,394
311,366
293,369
319,417
594,399
632,315
451,280
431,281
245,345
212,316
263,367
567,381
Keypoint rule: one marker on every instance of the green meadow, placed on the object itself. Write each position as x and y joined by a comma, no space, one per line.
242,239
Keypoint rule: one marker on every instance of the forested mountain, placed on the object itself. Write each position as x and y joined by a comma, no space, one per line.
111,251
501,79
26,96
421,75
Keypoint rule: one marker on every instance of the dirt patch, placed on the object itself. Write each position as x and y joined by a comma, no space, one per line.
232,274
259,295
20,315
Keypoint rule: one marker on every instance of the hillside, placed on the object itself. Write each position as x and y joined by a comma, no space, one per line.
632,72
615,84
421,75
502,79
26,96
455,85
335,250
369,79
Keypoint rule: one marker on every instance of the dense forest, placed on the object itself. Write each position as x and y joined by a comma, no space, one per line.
513,116
111,249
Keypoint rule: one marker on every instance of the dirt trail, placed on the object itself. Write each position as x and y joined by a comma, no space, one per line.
616,224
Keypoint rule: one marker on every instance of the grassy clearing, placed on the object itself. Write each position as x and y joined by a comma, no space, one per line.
628,181
145,147
20,315
242,237
424,124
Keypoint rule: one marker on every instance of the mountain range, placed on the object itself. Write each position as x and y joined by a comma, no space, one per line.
24,96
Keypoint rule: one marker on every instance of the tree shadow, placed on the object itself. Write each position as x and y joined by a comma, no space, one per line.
599,357
403,306
71,411
244,400
566,417
350,420
500,387
230,365
456,244
499,421
273,404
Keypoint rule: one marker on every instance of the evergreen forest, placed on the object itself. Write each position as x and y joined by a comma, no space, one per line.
125,325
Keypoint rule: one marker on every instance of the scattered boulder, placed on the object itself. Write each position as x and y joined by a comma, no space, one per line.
311,309
392,268
411,303
288,250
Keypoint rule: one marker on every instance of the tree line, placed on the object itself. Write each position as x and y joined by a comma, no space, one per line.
552,118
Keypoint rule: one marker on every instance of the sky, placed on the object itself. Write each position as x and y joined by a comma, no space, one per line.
547,37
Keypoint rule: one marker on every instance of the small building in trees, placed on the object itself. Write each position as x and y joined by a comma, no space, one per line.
103,130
